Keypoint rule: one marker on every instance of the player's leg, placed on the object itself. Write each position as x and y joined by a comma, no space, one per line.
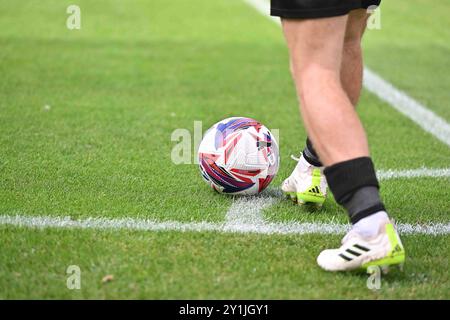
351,67
352,58
317,77
307,183
373,239
316,48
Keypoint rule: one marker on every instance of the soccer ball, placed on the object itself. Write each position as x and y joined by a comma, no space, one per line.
238,156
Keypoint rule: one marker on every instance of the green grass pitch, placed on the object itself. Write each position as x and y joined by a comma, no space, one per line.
136,71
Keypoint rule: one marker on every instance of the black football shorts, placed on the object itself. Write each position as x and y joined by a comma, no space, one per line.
307,9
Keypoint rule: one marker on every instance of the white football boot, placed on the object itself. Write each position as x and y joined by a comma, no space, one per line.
382,250
306,184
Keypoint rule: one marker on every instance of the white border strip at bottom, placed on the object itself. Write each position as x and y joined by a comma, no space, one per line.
150,225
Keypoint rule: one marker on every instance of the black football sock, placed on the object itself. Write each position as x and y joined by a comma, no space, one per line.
310,154
362,199
355,186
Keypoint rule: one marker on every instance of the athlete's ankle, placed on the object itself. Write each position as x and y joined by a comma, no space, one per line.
310,154
372,225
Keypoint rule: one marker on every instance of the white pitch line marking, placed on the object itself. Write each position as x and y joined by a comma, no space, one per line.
263,7
295,228
385,91
247,210
414,110
413,173
244,216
